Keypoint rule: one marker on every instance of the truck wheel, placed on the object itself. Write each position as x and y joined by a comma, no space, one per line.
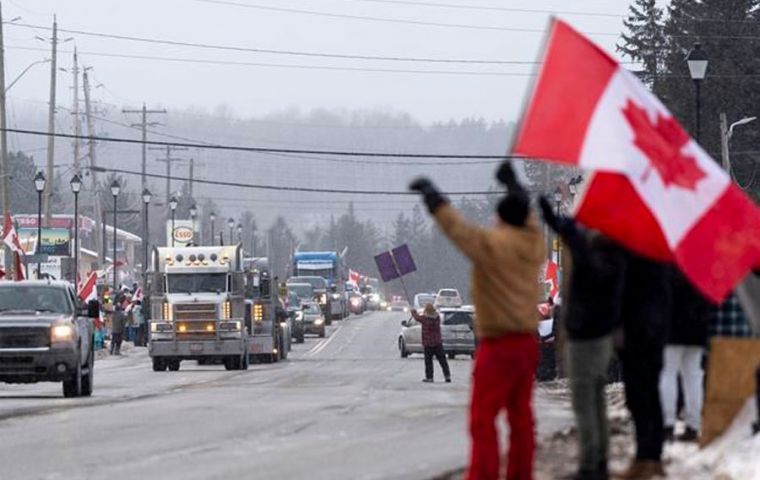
402,348
174,366
322,333
72,386
88,377
158,364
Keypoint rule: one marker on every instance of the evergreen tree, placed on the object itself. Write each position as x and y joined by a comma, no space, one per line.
644,39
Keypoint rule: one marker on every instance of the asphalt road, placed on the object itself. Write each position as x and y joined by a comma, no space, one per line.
343,407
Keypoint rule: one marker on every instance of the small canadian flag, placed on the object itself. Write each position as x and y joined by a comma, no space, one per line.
655,190
89,289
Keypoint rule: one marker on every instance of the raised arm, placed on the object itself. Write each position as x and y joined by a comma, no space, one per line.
566,227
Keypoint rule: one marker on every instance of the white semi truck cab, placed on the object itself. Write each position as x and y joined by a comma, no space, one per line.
197,307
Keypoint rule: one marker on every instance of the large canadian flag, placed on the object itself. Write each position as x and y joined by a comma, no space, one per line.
11,240
655,189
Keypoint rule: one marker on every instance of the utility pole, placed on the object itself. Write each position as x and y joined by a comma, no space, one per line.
77,123
169,160
3,125
192,173
51,125
96,207
144,124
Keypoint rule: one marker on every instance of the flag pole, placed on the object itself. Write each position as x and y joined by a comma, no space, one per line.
400,277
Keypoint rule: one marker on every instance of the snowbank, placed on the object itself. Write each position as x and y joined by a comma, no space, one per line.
733,456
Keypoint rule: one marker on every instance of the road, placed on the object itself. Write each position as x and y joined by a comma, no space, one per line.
343,407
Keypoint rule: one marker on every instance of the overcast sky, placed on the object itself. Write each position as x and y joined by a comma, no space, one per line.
258,90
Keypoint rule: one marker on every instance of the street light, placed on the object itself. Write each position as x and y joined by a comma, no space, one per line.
115,189
173,206
76,187
231,224
212,216
39,185
697,61
146,197
23,72
193,213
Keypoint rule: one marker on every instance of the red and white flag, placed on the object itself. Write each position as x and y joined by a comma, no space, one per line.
658,192
551,278
353,278
10,238
89,289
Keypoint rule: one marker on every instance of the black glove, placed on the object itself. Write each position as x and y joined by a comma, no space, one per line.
549,216
506,175
433,197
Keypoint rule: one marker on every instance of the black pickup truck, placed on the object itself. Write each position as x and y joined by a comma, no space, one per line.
46,334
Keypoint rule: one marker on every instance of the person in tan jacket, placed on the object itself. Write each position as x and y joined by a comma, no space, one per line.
506,260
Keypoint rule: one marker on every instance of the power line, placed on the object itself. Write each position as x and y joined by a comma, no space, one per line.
294,66
493,9
382,19
291,188
342,153
297,53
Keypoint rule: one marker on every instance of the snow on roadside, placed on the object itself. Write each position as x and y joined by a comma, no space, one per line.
733,456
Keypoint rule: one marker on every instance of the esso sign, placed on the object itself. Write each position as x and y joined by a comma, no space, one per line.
183,234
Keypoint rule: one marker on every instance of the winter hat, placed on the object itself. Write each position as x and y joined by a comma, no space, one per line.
430,310
513,209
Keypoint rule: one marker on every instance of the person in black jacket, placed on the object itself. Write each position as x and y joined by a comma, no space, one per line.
591,312
646,313
687,339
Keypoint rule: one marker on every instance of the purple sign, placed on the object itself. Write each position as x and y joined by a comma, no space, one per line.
396,263
404,261
385,265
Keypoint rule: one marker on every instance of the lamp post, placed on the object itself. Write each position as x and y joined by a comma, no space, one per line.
115,189
76,187
146,197
39,185
193,213
212,216
173,208
558,202
697,61
231,224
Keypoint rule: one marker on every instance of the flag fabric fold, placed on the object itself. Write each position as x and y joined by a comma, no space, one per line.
11,240
655,190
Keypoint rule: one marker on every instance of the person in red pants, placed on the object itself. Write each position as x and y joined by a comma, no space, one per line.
506,261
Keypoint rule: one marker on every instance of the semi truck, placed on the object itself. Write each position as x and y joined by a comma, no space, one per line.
331,267
265,317
197,307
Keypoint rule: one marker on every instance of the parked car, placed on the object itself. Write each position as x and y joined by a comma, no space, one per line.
422,299
456,332
398,305
312,319
46,335
448,298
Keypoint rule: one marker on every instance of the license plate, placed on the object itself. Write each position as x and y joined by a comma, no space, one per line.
196,347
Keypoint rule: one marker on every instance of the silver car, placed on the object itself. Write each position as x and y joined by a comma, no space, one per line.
456,332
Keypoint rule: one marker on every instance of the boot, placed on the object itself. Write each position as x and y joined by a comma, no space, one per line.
689,435
669,433
448,379
427,380
643,470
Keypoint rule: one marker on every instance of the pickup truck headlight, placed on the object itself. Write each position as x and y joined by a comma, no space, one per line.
319,321
61,333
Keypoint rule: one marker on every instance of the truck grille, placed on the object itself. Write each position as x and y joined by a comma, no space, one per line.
24,337
195,311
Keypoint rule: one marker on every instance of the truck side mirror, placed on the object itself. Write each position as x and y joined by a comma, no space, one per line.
404,323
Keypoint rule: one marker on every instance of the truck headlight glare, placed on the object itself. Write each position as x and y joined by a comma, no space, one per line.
319,321
62,332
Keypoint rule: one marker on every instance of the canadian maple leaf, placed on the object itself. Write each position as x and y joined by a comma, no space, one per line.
662,144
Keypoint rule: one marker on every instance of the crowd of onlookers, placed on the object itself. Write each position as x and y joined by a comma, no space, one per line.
122,319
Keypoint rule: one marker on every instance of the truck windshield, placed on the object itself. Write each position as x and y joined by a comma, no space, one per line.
197,282
34,299
316,283
303,290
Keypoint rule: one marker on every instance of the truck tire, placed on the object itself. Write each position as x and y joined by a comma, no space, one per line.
174,366
87,378
158,364
402,348
72,386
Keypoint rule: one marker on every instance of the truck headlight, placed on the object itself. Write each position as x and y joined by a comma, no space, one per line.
167,312
258,312
319,321
226,310
61,333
